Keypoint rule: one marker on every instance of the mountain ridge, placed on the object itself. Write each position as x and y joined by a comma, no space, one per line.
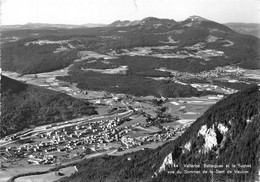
116,23
49,25
153,20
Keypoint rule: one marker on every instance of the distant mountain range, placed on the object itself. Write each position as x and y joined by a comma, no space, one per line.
48,26
124,23
118,23
153,21
195,31
145,21
245,28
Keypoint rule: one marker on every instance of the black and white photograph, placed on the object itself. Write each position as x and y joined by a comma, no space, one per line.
130,90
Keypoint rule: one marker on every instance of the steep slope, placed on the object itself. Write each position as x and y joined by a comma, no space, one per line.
227,134
26,105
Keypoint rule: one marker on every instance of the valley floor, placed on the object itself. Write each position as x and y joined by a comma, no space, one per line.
124,124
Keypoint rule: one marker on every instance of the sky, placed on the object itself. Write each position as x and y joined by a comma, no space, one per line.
106,11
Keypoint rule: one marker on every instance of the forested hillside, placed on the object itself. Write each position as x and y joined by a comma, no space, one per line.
26,106
137,79
33,58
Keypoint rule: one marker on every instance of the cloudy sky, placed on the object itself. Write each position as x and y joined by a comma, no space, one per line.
107,11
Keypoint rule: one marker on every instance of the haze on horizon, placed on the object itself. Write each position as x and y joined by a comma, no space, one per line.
107,11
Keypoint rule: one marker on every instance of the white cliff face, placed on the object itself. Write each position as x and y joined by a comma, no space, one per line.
222,128
203,130
167,162
187,146
210,137
248,121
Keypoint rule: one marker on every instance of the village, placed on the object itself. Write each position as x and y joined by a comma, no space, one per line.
72,142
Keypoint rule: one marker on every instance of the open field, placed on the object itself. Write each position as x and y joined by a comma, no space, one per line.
6,174
119,70
252,74
91,54
171,51
134,120
190,108
150,145
48,177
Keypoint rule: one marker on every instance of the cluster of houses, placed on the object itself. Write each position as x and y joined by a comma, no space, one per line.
217,72
66,139
41,159
34,153
47,145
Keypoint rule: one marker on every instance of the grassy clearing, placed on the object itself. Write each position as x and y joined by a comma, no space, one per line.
47,177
